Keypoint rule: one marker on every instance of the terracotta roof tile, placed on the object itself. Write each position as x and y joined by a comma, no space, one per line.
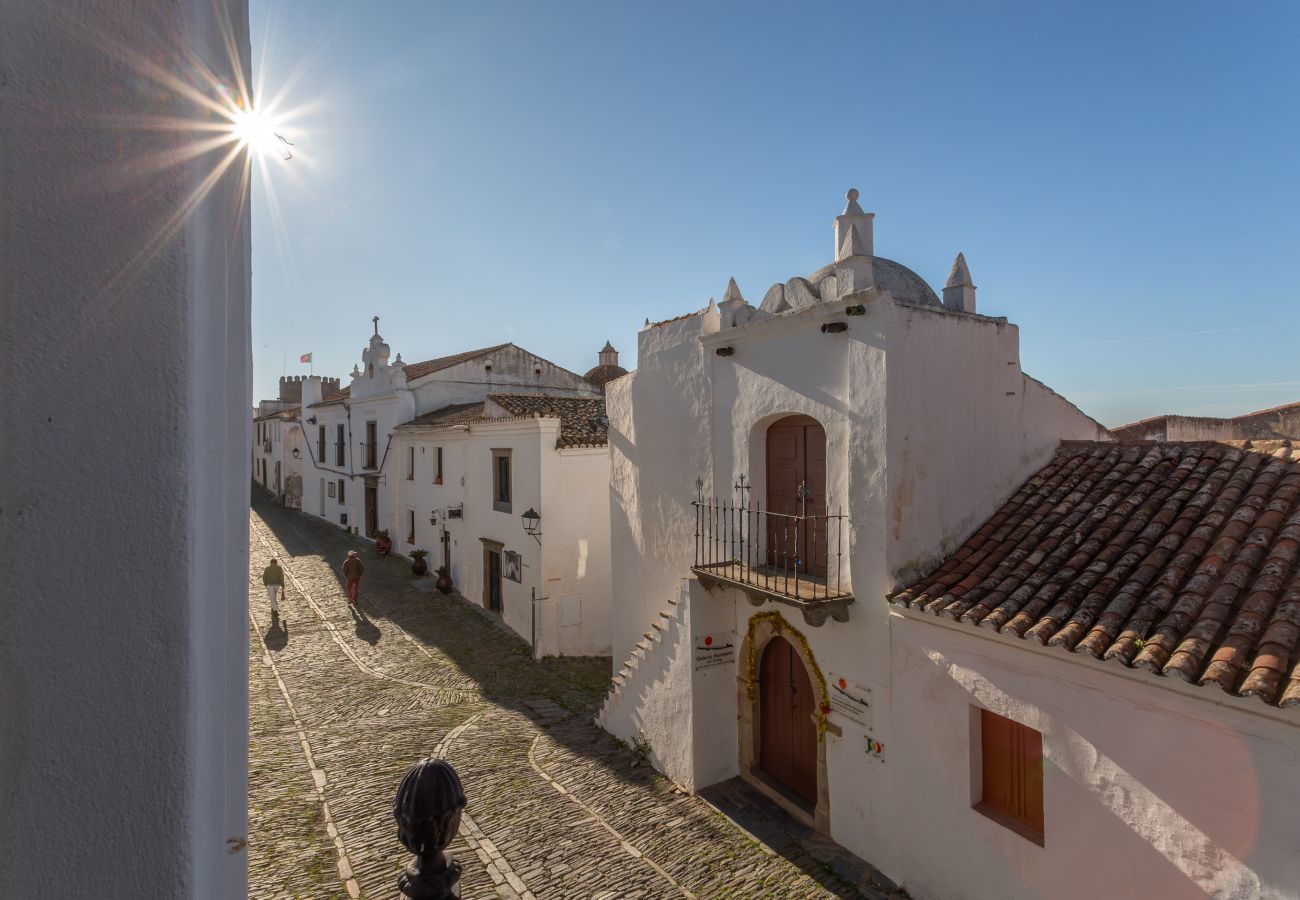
1182,559
582,421
455,414
429,366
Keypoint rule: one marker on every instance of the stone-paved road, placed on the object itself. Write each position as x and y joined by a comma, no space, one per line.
341,705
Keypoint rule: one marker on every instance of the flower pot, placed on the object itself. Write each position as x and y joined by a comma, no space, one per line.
383,545
444,584
419,566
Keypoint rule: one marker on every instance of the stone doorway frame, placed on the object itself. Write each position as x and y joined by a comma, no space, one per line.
761,628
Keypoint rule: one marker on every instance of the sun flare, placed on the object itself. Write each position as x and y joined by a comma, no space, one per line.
260,133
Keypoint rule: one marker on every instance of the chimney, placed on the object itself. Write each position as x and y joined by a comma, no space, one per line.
958,292
310,390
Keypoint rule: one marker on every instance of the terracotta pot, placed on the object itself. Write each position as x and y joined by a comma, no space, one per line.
444,584
419,566
383,545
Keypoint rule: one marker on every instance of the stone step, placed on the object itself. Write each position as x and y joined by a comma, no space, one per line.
666,613
658,626
650,635
674,600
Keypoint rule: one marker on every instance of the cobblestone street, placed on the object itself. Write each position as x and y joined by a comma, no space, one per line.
342,705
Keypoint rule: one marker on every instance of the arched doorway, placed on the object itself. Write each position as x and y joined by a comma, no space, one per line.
796,494
787,750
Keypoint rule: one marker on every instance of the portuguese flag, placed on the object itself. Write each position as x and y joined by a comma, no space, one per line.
306,357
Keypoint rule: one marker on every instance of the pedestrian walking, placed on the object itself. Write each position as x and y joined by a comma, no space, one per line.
273,578
352,569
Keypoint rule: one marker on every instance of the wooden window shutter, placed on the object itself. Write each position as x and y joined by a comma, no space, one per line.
1012,757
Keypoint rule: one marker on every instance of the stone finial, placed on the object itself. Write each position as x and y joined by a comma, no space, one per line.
733,292
958,291
853,230
427,809
608,356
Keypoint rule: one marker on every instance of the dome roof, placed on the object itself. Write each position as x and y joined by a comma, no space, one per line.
901,282
602,375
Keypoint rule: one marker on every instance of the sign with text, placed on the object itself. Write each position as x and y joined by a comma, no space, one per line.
715,650
850,700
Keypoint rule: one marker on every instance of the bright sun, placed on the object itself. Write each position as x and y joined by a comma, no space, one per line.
257,131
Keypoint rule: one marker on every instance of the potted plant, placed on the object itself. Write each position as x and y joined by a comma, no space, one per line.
418,565
383,543
444,580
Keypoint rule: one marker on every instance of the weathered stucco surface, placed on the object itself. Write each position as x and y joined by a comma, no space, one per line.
1180,796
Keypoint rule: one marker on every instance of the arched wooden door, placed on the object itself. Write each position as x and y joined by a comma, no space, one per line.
796,462
787,750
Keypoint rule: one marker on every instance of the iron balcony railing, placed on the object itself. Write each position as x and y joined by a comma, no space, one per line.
794,555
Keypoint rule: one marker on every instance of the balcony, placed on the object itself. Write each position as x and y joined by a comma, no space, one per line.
797,560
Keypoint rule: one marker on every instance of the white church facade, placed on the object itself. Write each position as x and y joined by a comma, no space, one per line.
777,472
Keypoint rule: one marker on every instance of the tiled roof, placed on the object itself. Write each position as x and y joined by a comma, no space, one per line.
456,414
337,397
429,366
603,375
582,420
1176,558
1264,424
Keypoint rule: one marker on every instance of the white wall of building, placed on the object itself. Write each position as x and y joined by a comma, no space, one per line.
1152,788
659,442
929,423
569,570
123,668
966,428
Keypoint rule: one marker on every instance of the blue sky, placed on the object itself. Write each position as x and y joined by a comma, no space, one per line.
1121,177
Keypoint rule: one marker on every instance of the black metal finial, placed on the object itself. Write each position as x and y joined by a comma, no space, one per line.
376,321
427,809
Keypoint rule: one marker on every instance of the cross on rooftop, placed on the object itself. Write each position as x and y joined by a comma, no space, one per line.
376,321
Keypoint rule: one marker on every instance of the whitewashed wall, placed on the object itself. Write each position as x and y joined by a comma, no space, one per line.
659,441
1152,788
123,623
569,569
966,428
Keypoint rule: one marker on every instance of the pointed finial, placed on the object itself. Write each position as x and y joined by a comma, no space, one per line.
851,208
959,276
732,292
376,321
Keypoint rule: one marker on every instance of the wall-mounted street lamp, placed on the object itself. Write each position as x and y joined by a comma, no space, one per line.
311,420
433,518
835,328
532,522
297,454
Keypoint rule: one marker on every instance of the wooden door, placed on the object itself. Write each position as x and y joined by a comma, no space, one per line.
796,462
787,732
492,582
372,510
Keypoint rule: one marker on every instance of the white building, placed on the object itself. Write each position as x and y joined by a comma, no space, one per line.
348,435
277,439
844,439
465,477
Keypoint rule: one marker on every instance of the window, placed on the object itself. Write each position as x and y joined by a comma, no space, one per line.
341,498
437,465
410,526
410,463
371,440
320,446
1011,769
338,445
501,480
